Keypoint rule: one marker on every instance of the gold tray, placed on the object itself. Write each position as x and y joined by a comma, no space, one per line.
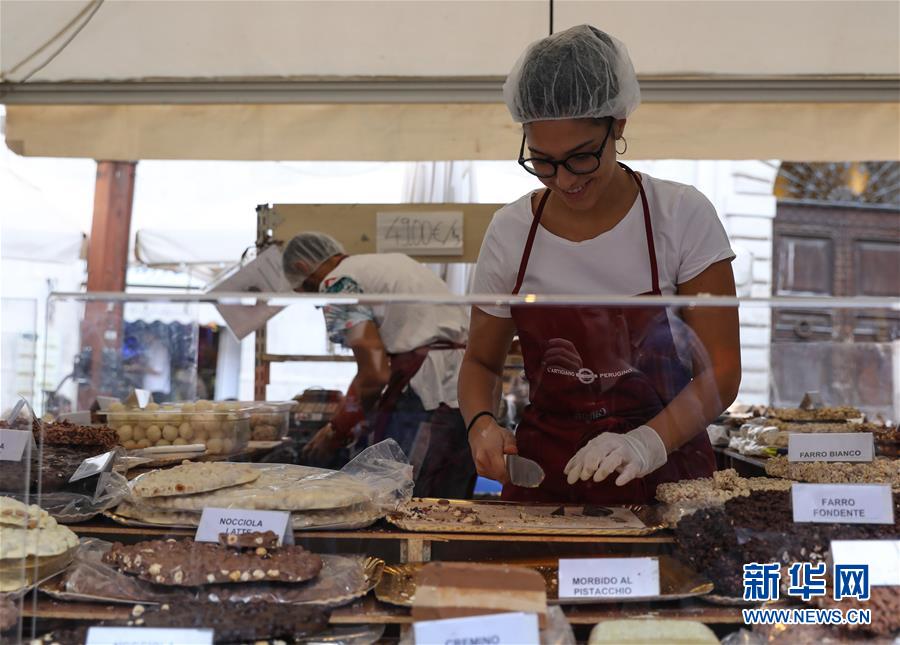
373,569
676,581
32,571
428,515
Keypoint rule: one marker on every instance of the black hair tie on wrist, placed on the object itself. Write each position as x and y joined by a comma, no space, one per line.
478,416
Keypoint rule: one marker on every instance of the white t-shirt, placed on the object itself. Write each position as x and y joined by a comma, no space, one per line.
686,231
404,327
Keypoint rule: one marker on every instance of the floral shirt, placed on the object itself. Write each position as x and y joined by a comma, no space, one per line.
340,319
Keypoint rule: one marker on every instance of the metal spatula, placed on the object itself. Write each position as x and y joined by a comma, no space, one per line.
524,472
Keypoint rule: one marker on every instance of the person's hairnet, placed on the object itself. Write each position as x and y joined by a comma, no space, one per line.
578,73
309,251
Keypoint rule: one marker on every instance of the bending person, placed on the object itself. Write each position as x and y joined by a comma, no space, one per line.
407,358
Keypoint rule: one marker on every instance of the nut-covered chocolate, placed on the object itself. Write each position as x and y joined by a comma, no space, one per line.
65,433
190,564
49,469
236,622
239,622
253,541
760,528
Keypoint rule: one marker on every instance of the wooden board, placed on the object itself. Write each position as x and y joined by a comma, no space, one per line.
677,582
107,529
353,225
505,518
369,610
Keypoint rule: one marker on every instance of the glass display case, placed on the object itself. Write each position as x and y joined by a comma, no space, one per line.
384,479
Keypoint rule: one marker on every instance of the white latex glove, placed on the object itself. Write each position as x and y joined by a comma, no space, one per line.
635,453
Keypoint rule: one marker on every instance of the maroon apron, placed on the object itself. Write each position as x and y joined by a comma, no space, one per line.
598,369
404,367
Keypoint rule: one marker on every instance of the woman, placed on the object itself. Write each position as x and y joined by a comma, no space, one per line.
624,390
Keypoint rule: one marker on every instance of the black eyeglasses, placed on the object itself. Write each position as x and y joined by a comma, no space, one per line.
581,163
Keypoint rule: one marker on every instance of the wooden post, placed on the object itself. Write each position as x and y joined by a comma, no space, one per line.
101,329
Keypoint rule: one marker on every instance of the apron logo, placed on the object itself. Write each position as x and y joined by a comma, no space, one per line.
588,376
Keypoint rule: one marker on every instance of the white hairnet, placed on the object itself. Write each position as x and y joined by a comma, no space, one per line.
309,251
578,73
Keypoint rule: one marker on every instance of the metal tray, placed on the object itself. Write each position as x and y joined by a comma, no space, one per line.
127,521
464,516
372,571
133,523
676,581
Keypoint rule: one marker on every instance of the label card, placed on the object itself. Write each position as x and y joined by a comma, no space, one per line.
214,521
105,401
420,233
13,444
831,446
494,629
843,503
80,418
148,636
882,556
608,578
92,466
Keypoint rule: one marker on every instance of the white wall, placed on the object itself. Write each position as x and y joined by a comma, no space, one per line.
129,39
742,193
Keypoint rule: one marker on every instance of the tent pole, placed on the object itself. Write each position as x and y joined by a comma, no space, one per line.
107,264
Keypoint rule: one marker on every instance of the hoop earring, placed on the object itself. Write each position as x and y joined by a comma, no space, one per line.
622,152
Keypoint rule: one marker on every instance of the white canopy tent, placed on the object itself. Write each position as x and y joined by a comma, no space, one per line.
399,80
33,229
203,254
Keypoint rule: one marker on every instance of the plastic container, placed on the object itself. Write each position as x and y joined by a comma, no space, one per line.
315,408
224,428
269,420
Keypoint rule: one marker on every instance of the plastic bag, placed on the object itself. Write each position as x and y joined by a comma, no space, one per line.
718,434
351,517
69,508
342,580
386,470
88,576
371,485
347,635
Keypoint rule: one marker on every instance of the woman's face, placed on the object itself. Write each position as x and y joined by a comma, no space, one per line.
558,140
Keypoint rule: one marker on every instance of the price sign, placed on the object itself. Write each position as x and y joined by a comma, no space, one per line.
13,444
494,629
214,521
827,446
91,466
602,578
843,503
148,636
882,557
420,233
